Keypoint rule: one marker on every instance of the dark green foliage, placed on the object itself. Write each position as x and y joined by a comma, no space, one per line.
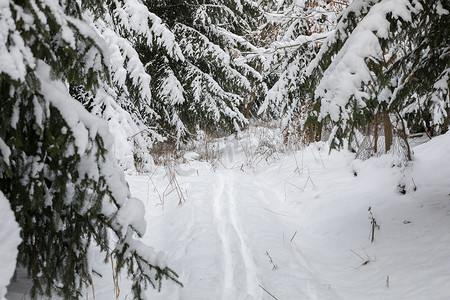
294,37
58,208
410,79
426,62
60,177
206,90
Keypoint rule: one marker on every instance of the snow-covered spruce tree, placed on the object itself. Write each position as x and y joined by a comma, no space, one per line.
293,34
422,92
56,166
126,101
385,58
208,90
10,237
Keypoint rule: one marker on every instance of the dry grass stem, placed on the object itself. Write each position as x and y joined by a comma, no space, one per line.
293,236
268,292
271,261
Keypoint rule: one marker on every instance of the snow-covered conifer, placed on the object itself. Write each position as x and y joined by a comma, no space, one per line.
385,57
56,163
209,89
126,99
9,237
293,34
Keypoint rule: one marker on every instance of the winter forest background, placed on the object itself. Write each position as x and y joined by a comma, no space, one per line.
92,89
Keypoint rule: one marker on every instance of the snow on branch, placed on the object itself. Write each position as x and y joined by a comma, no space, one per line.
343,80
133,16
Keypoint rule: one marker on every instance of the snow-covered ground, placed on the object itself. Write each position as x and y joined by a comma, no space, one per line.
299,227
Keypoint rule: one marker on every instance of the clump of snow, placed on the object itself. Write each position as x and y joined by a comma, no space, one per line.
190,156
440,9
132,214
5,151
10,240
84,126
429,168
348,73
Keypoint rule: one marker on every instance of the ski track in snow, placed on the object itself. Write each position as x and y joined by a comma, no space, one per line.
250,267
242,269
219,206
221,239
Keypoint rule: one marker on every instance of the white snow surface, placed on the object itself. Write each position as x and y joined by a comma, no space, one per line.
10,240
298,227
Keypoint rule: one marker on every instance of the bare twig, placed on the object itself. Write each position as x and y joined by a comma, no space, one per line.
309,179
320,155
415,186
293,235
276,212
312,152
357,255
132,136
161,198
365,261
294,186
373,223
275,49
115,280
297,169
271,261
93,290
268,292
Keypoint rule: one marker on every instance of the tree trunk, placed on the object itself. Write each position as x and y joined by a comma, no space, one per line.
388,135
445,129
375,135
404,136
319,131
252,98
249,105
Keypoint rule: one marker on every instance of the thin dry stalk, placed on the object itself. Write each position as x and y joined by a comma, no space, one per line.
364,261
294,186
276,212
302,159
271,261
293,235
93,290
315,158
297,170
268,292
415,186
357,255
179,192
309,179
173,182
373,223
115,280
161,199
285,193
320,155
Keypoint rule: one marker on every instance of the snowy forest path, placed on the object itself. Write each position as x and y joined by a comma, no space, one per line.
240,272
295,228
239,234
